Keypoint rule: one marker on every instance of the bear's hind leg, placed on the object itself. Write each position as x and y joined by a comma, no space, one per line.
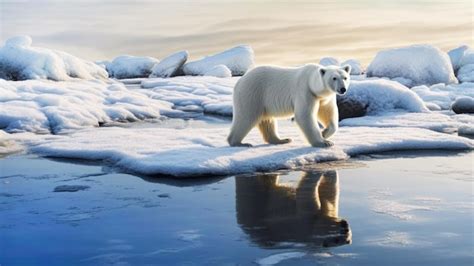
268,129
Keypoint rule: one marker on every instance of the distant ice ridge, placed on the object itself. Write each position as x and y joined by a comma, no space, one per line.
20,61
413,65
204,151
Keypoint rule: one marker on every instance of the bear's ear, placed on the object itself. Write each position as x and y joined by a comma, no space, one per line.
347,68
322,71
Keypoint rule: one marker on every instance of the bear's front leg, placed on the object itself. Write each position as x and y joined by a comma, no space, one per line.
329,117
304,117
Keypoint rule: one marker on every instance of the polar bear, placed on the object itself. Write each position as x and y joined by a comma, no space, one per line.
269,92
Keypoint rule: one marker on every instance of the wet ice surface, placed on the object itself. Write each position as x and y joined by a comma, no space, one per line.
414,209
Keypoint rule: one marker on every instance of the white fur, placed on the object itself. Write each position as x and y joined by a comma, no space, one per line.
268,92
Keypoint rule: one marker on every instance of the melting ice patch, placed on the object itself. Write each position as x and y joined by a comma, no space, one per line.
277,258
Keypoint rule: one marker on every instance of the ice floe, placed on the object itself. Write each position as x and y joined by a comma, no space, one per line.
204,151
169,66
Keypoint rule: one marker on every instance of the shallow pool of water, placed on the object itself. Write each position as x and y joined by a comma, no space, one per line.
386,209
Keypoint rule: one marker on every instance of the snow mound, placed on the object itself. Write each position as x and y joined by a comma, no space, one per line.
170,65
329,61
421,64
441,96
20,61
176,152
127,66
456,54
44,106
380,95
7,145
467,58
356,67
463,105
238,59
219,71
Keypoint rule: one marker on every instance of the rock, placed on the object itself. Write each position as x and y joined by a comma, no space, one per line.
70,188
169,66
463,105
349,108
422,64
219,71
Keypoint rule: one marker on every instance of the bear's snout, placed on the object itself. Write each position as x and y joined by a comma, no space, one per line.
342,90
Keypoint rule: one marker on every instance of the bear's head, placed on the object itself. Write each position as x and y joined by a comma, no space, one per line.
335,79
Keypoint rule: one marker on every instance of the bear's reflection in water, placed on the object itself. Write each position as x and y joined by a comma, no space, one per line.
272,214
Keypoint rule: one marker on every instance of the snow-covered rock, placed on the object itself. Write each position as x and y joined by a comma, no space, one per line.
463,105
456,54
422,64
238,59
219,71
127,66
201,151
20,61
380,95
44,106
466,73
329,61
170,65
356,67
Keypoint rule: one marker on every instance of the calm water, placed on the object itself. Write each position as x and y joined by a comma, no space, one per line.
381,210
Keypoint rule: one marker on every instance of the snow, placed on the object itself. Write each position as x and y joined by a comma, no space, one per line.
219,71
456,54
169,66
441,96
463,105
44,106
7,145
329,61
356,67
127,66
380,95
20,61
238,59
421,64
197,151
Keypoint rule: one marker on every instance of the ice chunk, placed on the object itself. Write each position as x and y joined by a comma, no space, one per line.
219,71
329,61
466,73
20,61
356,68
456,54
238,59
463,105
127,66
467,58
422,64
170,65
443,95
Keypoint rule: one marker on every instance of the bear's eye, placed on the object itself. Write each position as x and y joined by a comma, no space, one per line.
334,78
345,78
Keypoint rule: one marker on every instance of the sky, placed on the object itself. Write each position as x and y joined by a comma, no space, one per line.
280,32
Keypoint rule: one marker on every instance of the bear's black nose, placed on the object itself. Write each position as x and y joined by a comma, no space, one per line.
343,90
